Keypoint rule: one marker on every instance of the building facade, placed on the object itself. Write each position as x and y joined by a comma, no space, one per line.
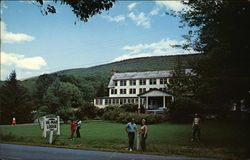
147,89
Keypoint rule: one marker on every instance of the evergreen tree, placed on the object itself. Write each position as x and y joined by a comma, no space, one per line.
15,101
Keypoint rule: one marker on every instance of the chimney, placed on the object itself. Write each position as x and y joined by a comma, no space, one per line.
113,72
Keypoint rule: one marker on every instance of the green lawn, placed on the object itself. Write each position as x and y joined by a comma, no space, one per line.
220,140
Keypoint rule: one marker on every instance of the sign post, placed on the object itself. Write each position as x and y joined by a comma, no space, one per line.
51,125
44,127
58,125
50,137
137,141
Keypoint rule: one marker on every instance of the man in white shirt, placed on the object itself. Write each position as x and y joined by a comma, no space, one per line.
78,127
196,128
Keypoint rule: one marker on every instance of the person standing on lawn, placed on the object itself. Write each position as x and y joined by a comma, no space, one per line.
73,128
144,134
131,129
13,121
196,126
78,127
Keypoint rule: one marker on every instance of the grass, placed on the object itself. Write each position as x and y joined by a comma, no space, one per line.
219,140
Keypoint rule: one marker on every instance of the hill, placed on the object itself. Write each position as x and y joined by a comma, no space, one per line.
130,65
101,73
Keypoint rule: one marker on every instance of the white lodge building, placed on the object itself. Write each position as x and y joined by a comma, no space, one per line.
143,88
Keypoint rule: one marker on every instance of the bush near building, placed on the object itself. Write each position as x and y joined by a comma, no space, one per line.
121,114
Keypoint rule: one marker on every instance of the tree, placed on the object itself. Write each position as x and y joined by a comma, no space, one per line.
15,101
101,90
83,9
180,82
222,36
62,94
61,98
42,84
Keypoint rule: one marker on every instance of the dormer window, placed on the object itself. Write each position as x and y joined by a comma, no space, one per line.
123,83
152,81
132,82
142,81
163,81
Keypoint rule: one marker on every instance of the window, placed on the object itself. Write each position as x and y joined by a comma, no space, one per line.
142,90
142,81
152,81
163,81
132,82
136,100
122,101
115,82
106,101
109,101
132,91
99,101
129,100
113,91
123,83
132,100
123,91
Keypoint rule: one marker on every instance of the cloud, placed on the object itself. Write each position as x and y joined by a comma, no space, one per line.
127,56
120,18
140,19
20,61
155,11
172,5
131,6
160,48
3,6
9,37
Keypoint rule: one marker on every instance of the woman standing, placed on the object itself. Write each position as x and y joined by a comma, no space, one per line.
144,134
73,128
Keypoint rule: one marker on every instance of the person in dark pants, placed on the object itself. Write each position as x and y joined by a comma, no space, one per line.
196,128
78,127
131,129
144,134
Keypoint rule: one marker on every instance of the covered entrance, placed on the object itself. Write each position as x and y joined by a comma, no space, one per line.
155,100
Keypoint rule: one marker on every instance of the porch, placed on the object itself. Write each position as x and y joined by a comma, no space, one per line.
155,100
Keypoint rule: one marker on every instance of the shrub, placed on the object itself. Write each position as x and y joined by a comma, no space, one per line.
100,112
128,107
111,115
151,118
111,108
87,110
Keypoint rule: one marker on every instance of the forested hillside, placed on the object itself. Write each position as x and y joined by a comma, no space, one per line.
101,74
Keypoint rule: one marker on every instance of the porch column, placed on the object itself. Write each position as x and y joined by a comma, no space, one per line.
139,103
146,102
103,102
164,102
94,101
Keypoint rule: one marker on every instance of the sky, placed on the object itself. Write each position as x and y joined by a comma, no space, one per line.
33,44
